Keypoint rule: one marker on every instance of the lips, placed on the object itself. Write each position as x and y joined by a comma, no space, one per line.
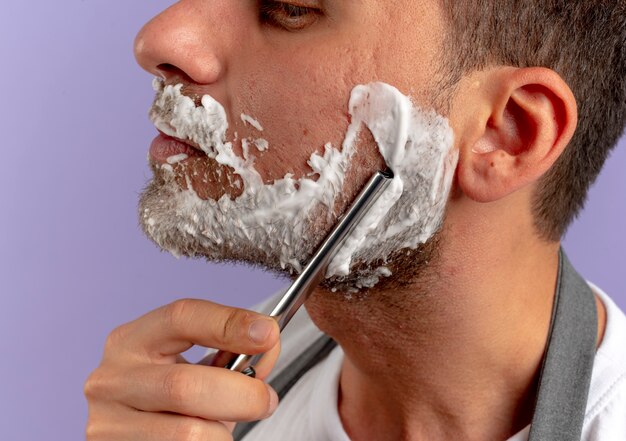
164,146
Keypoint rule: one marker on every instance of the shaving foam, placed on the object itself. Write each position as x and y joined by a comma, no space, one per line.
247,119
274,224
175,159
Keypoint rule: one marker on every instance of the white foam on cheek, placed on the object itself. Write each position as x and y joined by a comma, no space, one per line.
261,144
245,147
417,146
247,119
275,219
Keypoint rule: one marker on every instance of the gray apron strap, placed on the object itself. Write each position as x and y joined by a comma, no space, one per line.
290,375
568,361
565,373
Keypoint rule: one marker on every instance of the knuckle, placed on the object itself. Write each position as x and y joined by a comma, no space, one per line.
94,432
233,323
95,385
178,314
91,432
179,387
116,339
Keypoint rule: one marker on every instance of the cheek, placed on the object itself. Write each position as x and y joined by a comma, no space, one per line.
300,97
302,105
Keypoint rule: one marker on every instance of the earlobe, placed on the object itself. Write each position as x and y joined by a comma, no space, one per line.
529,117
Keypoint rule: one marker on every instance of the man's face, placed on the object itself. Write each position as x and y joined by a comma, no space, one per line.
291,66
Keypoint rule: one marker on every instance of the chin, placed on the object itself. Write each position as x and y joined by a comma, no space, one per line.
178,221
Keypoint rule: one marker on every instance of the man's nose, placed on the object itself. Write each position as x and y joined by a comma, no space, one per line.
181,41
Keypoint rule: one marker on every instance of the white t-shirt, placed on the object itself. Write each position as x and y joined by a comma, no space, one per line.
309,411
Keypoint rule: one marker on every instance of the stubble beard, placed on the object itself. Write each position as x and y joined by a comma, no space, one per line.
172,217
408,267
162,200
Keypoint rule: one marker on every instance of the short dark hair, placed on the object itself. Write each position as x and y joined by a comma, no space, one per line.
584,41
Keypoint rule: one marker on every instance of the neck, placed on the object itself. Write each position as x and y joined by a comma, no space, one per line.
458,360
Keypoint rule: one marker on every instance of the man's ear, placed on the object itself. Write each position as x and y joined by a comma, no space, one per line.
519,123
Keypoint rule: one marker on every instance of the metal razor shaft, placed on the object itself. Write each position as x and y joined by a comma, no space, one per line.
315,270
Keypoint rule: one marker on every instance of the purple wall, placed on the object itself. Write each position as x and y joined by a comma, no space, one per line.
73,263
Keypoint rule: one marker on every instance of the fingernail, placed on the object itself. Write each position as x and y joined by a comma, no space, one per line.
260,330
273,399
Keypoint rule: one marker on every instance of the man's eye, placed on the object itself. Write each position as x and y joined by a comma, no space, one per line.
290,16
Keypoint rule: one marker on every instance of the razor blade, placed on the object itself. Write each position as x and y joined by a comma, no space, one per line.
315,270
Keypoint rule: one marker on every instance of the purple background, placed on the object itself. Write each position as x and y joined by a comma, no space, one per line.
73,263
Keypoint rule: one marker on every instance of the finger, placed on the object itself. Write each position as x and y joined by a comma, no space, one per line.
134,425
201,391
176,327
263,367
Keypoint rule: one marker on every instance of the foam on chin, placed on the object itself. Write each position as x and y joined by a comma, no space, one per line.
274,222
